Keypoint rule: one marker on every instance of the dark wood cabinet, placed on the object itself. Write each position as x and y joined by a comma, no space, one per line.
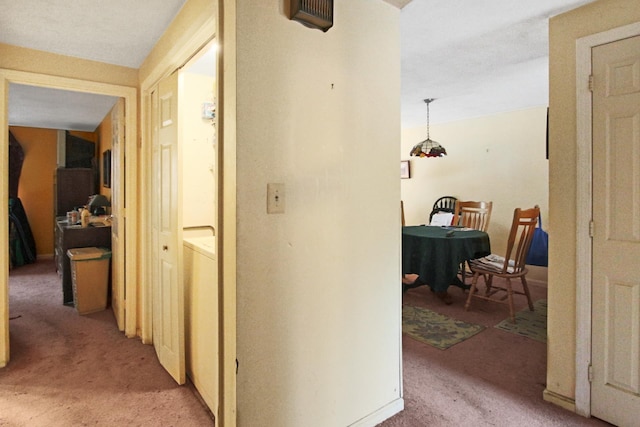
74,236
73,187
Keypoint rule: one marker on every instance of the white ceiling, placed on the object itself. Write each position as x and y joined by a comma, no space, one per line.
119,32
476,57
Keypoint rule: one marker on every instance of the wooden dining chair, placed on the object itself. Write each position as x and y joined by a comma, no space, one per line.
511,266
474,215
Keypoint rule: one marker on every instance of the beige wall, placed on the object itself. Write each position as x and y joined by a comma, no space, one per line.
319,286
198,152
499,158
563,32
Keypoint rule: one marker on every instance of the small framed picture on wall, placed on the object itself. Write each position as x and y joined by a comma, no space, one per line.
405,171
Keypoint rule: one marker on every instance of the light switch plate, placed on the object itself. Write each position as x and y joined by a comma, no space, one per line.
275,198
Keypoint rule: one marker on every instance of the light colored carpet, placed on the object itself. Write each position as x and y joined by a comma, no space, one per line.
530,324
72,370
492,379
436,329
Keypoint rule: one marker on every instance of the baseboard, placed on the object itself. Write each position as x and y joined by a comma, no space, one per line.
558,399
381,414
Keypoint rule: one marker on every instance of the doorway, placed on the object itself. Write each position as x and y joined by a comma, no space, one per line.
183,213
590,229
128,94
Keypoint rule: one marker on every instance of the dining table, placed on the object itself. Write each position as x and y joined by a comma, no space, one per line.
435,253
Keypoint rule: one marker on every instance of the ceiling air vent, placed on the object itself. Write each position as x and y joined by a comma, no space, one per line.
312,13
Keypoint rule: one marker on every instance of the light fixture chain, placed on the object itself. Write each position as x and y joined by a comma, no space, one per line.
428,101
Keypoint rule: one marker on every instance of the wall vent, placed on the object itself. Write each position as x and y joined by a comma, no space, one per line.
312,13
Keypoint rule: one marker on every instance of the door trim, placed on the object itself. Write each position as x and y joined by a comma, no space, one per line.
584,205
129,94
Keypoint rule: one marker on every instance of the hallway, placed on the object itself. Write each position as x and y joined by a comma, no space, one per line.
68,370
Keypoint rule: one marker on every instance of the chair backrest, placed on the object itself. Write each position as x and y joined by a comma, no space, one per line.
443,204
522,228
474,215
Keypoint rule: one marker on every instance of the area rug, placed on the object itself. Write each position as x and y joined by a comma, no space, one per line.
435,329
530,324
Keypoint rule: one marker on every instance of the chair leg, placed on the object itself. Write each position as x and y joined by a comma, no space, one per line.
488,283
525,287
472,290
512,311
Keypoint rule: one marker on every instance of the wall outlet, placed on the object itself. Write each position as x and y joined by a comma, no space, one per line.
275,198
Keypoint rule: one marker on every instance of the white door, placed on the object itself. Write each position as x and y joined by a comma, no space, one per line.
117,210
168,292
615,388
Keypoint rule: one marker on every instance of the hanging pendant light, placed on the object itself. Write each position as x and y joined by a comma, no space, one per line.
428,147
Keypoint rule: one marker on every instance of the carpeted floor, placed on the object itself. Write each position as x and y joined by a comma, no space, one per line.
72,370
493,378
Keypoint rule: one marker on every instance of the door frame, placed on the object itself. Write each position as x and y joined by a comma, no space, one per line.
221,26
129,94
584,206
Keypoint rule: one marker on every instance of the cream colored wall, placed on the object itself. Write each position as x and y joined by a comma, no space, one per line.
318,287
198,152
499,158
564,30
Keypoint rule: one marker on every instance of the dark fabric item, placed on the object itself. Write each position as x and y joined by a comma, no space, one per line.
16,159
435,253
539,249
22,245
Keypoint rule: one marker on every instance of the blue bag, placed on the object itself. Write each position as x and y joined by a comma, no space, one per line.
539,250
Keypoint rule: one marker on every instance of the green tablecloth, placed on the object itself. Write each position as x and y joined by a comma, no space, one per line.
436,257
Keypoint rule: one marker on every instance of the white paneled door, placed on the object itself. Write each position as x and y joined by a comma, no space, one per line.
615,387
168,292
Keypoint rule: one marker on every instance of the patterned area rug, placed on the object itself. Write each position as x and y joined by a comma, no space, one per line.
530,324
435,329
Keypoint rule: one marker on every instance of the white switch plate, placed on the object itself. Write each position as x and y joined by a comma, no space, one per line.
275,198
